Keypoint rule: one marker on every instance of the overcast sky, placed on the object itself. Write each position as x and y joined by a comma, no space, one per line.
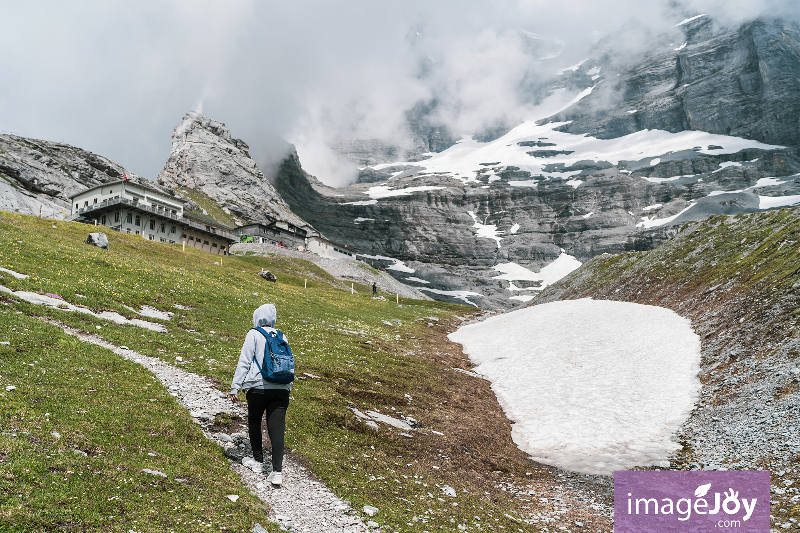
117,77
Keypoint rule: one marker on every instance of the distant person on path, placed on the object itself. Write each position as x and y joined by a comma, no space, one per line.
374,289
262,395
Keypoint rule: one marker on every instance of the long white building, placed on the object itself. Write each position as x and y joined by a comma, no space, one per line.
136,209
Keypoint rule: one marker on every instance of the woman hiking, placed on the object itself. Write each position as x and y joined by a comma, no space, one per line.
262,395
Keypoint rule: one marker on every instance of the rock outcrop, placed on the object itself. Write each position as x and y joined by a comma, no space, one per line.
206,158
38,177
98,239
742,81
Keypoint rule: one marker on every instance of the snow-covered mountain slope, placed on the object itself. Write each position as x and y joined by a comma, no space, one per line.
553,185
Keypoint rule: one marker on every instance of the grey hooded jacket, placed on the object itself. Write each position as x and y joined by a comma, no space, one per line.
247,375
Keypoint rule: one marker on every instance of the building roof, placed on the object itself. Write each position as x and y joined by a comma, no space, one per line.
121,182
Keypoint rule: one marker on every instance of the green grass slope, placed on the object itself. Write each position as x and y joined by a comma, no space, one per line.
365,353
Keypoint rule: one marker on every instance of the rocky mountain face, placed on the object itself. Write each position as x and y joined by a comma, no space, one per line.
741,81
479,222
206,158
40,176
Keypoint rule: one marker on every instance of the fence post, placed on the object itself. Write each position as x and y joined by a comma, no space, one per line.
305,283
397,296
352,290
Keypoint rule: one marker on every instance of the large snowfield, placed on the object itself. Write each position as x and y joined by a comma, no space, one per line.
592,386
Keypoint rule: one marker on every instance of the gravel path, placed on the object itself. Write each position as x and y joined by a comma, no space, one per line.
302,504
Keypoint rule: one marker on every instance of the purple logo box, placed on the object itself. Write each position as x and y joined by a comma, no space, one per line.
691,502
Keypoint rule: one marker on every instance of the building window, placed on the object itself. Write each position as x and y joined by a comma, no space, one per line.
116,216
172,229
174,213
94,201
162,229
191,238
205,243
111,191
137,232
162,239
129,219
103,220
214,245
86,203
152,224
76,206
183,235
151,237
137,222
128,230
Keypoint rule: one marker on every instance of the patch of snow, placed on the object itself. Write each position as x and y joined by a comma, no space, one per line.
559,268
152,312
394,422
727,164
15,274
632,111
574,67
523,297
655,161
648,222
767,182
514,229
592,386
587,215
398,265
772,202
592,71
681,47
654,206
662,180
362,219
686,21
417,280
575,183
762,182
384,191
488,231
362,202
465,157
458,295
57,303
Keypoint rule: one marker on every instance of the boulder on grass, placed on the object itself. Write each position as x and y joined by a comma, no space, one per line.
98,239
267,275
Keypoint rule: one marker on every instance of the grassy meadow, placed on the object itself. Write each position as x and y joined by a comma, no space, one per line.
355,351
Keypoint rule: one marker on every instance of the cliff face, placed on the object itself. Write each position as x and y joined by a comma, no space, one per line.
206,158
40,176
700,127
741,81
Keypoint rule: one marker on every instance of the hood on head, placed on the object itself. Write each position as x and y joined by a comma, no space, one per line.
266,315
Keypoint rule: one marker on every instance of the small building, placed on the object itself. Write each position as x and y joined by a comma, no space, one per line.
276,232
139,210
321,246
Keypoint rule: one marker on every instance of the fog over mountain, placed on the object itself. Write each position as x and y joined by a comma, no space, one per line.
115,78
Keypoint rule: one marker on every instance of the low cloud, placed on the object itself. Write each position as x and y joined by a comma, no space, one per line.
117,78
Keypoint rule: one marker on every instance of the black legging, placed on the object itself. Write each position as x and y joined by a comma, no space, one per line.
274,402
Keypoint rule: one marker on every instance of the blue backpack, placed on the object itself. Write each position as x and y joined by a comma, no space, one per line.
278,359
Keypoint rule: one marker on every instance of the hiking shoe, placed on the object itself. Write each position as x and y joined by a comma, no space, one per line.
276,478
258,455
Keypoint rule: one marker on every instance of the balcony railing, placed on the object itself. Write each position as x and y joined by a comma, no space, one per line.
160,211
